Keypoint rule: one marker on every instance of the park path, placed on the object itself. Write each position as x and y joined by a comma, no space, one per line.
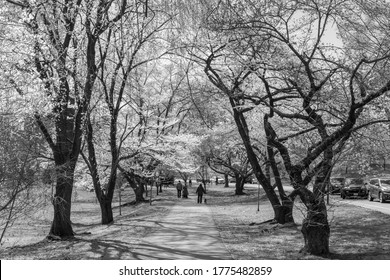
188,232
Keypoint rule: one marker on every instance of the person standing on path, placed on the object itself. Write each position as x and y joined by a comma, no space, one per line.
200,191
185,191
179,188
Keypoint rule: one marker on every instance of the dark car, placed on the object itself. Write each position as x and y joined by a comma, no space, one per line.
379,188
353,187
336,184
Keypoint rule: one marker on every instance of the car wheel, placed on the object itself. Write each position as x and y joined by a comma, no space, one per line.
381,200
342,195
369,196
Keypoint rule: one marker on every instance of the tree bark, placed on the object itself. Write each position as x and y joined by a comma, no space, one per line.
260,176
106,210
139,191
204,184
315,227
61,225
226,180
284,212
239,185
316,230
104,196
135,183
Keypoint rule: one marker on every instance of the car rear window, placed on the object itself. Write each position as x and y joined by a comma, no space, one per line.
337,179
356,181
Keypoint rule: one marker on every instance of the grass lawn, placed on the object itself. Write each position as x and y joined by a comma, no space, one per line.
356,233
26,238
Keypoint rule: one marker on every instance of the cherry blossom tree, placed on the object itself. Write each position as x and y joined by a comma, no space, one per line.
125,51
63,55
275,57
224,153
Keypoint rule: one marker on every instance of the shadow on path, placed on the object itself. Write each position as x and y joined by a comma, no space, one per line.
187,232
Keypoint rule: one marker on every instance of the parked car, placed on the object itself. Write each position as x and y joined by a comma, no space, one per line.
353,187
221,181
232,180
336,184
251,180
379,188
217,180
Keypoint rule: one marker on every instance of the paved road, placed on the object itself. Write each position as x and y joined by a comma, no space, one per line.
188,232
373,205
287,188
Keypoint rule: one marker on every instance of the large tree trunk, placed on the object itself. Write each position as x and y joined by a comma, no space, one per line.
315,227
106,210
252,157
284,212
61,225
204,184
136,183
239,185
139,191
104,196
316,230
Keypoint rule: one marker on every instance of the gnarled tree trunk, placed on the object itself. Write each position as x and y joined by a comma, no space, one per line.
284,212
135,183
315,227
316,230
257,170
61,225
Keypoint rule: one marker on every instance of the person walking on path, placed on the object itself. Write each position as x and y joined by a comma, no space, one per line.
179,188
185,191
200,191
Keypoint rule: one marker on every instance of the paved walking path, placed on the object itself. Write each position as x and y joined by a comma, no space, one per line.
188,232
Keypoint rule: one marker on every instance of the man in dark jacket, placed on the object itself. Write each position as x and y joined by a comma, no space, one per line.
179,188
200,191
185,191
